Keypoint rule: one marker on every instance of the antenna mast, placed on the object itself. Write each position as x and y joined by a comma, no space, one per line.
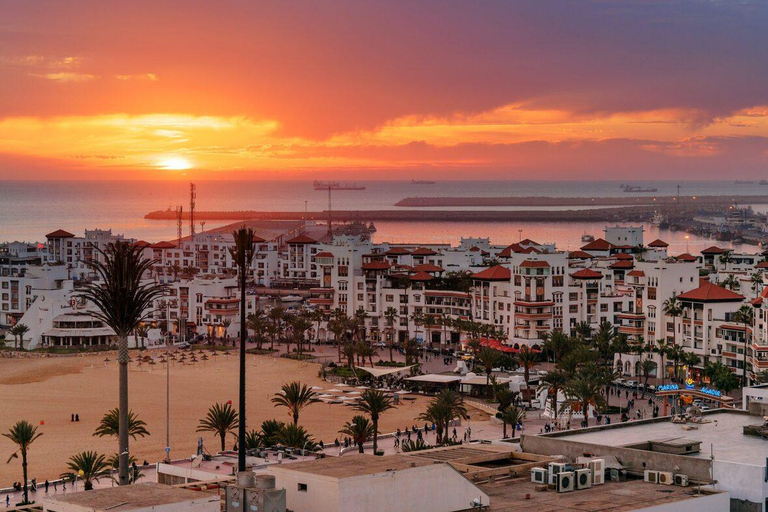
192,197
179,223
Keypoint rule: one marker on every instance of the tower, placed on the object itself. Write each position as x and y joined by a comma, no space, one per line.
179,223
192,197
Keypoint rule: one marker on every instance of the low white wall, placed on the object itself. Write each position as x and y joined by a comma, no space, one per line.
720,502
744,481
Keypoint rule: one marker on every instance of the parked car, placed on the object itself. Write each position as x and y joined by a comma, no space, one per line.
631,383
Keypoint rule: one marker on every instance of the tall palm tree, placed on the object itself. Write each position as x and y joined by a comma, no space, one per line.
359,429
512,415
339,325
676,353
647,366
557,343
257,322
141,332
18,331
418,320
757,282
583,330
364,351
746,316
317,315
295,396
374,403
673,308
583,391
88,465
269,431
22,434
731,282
442,409
527,359
488,359
134,473
123,300
391,315
110,425
360,316
300,324
295,436
221,420
276,317
554,380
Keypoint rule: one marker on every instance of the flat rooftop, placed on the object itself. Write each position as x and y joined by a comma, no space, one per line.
509,495
354,465
132,497
725,434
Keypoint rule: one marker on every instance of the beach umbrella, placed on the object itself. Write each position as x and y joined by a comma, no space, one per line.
205,357
352,393
361,387
342,385
315,388
334,390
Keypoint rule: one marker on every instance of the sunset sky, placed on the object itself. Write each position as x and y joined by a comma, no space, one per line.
384,90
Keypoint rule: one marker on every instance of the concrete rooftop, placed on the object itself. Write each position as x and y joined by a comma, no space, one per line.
724,434
346,467
133,497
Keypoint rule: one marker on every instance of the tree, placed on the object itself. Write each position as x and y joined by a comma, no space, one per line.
757,282
270,430
134,473
746,316
258,323
488,358
339,326
317,316
557,343
221,420
583,330
295,396
18,331
300,324
511,416
141,332
391,315
110,425
359,430
418,319
676,353
527,359
364,350
673,308
22,434
555,380
359,323
123,300
374,403
647,366
295,436
721,376
583,391
88,465
276,316
441,410
731,282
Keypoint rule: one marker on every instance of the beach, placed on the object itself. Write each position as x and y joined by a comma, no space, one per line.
51,389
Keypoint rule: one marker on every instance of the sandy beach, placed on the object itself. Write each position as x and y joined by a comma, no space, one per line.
50,389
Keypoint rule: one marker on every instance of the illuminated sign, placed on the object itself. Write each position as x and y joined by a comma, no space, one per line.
711,392
689,384
668,387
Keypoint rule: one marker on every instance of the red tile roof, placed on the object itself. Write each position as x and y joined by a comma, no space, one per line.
598,245
376,265
686,257
579,255
60,233
397,251
534,264
324,255
658,243
163,245
762,264
713,250
258,240
428,267
497,273
423,251
710,292
527,241
474,248
636,273
302,239
624,256
587,273
141,243
421,276
530,250
622,265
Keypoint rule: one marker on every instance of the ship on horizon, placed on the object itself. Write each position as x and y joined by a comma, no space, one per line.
422,182
335,185
635,188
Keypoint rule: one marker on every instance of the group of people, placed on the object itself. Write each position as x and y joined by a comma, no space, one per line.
75,417
18,487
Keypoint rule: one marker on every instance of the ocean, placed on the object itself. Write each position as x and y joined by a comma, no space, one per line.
30,209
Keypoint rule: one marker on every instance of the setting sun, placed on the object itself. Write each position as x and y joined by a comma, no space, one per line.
175,164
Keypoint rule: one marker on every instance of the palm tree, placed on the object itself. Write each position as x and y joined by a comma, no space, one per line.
374,403
418,320
731,282
557,343
673,308
583,391
134,473
349,350
647,366
221,420
488,359
294,436
123,300
391,314
442,409
757,282
554,380
276,317
22,434
721,376
18,331
317,316
257,322
359,429
295,396
90,466
225,324
676,353
583,330
745,315
360,316
527,359
270,430
300,324
141,332
339,325
110,425
511,416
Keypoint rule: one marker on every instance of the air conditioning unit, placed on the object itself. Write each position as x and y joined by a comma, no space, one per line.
539,475
681,480
583,478
651,477
598,471
566,481
666,478
556,468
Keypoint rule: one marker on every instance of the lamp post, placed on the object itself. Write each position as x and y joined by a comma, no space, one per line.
167,411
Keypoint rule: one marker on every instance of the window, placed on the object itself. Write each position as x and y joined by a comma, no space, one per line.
302,487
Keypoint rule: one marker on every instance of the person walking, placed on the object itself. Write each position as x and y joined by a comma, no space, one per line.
46,485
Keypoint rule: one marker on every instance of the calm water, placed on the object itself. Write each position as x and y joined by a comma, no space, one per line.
29,210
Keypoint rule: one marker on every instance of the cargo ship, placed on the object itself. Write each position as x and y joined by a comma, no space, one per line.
422,182
335,185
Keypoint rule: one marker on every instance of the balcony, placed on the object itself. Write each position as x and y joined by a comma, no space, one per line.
631,330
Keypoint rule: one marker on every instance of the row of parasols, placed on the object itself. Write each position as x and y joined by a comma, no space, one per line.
174,357
348,395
